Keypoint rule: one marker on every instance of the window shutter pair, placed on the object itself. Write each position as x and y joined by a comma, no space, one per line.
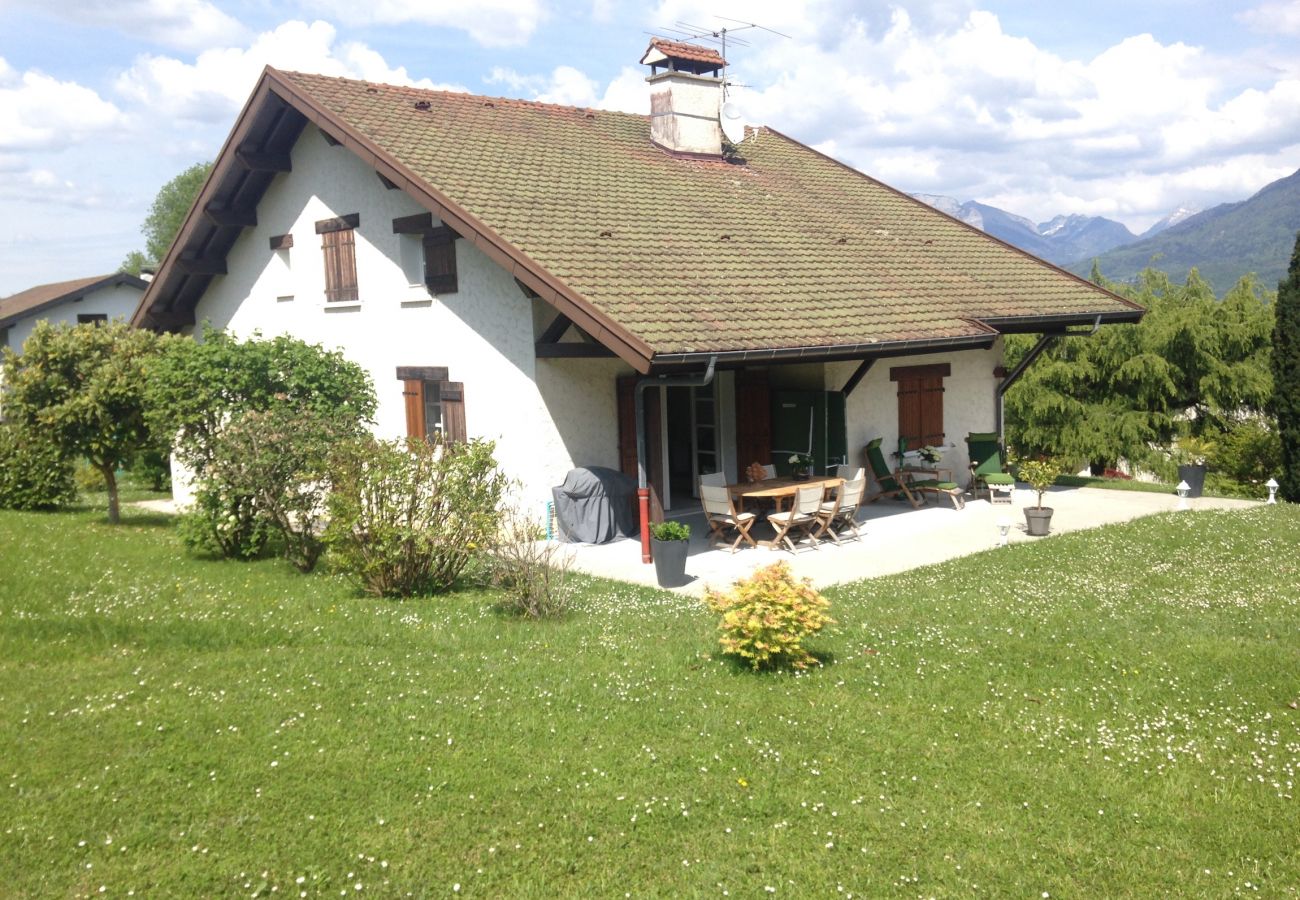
920,404
451,396
338,243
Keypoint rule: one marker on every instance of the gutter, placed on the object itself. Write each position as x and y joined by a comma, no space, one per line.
638,405
824,353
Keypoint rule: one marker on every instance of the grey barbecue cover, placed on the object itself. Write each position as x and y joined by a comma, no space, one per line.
596,505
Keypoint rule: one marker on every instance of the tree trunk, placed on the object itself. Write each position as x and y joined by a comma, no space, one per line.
110,482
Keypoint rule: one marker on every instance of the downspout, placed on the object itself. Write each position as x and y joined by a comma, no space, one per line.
638,406
1043,343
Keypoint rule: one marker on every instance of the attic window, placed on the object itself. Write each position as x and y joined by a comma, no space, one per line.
423,105
438,244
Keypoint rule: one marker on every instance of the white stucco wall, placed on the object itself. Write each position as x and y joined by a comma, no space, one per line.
116,302
968,403
546,416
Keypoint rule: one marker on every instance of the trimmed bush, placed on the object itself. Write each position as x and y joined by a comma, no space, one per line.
406,517
33,474
766,617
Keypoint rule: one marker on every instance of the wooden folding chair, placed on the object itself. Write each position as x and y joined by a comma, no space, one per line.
722,517
842,512
803,516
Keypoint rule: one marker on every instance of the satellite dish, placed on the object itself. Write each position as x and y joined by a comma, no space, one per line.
733,124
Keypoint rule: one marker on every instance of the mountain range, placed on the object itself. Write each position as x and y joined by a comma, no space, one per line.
1223,243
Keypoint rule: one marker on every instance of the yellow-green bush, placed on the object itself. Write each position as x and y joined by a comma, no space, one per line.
766,617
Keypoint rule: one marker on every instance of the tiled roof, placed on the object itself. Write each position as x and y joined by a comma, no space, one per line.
691,52
36,298
788,249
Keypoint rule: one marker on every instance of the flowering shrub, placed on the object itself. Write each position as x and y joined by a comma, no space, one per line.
766,617
405,517
33,474
224,523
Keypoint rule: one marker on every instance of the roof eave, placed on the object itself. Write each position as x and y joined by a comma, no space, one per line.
113,280
1050,323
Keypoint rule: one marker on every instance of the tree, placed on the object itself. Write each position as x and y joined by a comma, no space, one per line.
1192,364
166,216
1286,375
83,388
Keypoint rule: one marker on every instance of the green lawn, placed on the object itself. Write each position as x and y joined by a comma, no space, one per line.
1108,713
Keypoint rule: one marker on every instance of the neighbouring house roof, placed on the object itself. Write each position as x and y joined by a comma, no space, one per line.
43,296
779,253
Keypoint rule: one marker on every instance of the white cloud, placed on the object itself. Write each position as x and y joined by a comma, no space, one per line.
43,113
215,85
568,86
184,24
1273,18
940,97
492,23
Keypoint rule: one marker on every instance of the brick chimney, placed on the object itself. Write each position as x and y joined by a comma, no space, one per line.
685,97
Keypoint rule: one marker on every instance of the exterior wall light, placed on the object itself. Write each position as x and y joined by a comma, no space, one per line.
1271,484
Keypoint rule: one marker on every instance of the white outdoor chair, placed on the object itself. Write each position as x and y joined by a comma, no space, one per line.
850,472
714,479
841,512
722,517
803,517
769,470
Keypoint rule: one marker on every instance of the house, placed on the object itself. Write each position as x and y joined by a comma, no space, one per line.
574,283
99,298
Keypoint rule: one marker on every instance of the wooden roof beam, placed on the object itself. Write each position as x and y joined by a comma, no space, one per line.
220,214
264,162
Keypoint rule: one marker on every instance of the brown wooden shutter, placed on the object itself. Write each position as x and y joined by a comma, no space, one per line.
440,261
413,394
753,419
920,411
340,265
451,394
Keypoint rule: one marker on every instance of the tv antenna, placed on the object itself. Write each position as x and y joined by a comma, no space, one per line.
688,33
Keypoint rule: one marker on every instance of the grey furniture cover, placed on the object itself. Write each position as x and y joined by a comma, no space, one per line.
596,505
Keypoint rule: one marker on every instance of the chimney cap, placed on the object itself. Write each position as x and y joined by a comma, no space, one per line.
682,57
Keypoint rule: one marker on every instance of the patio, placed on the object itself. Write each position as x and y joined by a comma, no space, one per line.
895,537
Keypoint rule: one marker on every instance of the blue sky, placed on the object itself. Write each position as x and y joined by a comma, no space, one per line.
1127,110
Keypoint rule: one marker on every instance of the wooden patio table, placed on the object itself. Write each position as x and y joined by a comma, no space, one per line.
779,489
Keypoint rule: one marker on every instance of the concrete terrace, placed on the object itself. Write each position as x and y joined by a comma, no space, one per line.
895,538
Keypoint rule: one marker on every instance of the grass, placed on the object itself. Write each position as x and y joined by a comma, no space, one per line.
1105,713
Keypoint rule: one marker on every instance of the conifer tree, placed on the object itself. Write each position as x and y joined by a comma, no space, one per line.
1286,376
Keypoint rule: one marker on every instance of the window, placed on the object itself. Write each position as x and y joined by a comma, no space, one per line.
339,246
434,405
920,403
439,251
92,318
4,336
281,271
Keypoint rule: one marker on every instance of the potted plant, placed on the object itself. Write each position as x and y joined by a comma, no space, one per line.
801,464
1189,454
1039,474
671,541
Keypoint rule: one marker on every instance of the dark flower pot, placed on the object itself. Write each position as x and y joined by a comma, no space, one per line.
1195,478
802,474
670,562
1038,521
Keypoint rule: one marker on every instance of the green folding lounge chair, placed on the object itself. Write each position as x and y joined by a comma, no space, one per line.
986,467
913,489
